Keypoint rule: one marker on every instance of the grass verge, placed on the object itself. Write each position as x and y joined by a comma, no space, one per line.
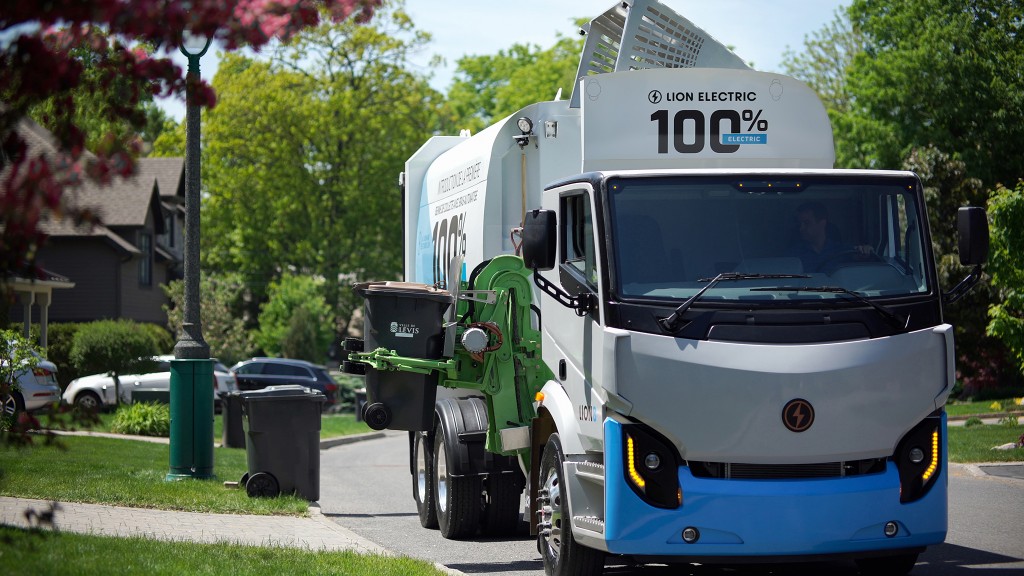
974,444
129,473
29,553
1008,405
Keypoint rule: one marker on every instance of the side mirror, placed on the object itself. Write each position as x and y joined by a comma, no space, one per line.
539,239
972,228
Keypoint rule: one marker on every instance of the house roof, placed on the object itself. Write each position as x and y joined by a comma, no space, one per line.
169,174
125,202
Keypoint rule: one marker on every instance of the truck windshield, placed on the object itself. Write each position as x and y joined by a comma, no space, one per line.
845,232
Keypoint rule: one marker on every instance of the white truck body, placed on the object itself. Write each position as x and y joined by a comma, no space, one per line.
783,382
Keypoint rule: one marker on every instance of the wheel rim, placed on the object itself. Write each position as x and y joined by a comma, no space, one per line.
88,402
8,405
551,514
421,467
441,468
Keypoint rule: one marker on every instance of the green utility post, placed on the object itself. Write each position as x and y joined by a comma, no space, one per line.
191,369
191,419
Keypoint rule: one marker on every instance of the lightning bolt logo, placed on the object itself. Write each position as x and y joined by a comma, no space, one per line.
798,415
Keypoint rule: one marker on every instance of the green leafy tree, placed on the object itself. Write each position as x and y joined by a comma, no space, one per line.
490,87
113,347
296,320
221,307
302,155
824,64
948,186
1006,211
945,73
170,142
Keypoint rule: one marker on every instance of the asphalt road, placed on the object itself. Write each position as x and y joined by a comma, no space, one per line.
366,487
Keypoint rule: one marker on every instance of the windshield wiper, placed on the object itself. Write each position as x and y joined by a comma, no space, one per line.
889,315
671,322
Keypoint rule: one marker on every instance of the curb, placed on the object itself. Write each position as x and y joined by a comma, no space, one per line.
350,439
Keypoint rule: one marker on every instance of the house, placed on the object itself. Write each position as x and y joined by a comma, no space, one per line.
116,267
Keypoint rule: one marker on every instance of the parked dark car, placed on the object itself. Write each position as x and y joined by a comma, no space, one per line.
260,372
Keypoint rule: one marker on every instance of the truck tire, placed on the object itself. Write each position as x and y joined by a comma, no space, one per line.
457,497
501,508
887,565
562,555
422,479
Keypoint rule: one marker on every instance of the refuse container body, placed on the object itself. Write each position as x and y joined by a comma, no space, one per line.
408,318
231,414
282,441
360,403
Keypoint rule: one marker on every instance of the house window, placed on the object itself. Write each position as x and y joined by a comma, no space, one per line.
168,236
146,261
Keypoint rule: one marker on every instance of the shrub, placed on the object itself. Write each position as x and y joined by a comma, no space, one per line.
143,419
113,347
120,346
60,338
973,421
296,321
162,338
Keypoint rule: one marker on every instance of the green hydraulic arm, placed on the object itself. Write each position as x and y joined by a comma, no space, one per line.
508,371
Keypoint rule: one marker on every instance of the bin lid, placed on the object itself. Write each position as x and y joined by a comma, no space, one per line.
283,391
406,289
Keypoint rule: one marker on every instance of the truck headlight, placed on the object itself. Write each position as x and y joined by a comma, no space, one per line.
918,458
651,467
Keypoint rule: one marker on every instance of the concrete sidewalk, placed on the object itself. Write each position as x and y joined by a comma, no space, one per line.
312,533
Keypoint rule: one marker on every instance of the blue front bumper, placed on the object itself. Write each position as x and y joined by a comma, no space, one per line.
765,518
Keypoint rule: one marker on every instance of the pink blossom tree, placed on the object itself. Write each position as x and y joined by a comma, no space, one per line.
41,48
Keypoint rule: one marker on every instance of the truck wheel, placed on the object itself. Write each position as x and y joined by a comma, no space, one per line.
423,479
501,508
887,565
562,555
457,498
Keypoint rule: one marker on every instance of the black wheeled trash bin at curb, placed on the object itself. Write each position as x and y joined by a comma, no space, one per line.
408,318
231,412
282,441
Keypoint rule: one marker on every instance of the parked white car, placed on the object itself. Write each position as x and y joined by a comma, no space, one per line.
96,392
37,388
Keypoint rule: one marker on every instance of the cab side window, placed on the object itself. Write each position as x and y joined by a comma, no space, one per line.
579,242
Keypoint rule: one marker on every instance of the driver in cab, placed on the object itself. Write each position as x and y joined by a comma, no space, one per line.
818,244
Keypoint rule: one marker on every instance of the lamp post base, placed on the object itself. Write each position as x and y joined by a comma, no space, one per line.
191,453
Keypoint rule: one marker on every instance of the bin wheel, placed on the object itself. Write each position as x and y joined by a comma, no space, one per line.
352,345
244,480
423,479
377,416
262,485
457,498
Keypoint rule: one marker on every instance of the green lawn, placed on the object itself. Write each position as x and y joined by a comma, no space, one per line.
1008,405
129,473
974,443
30,553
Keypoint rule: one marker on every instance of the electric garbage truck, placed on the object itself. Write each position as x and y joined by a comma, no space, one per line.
668,329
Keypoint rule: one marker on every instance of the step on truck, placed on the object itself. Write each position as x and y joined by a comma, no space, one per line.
665,327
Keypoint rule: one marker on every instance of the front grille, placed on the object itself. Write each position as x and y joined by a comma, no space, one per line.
740,471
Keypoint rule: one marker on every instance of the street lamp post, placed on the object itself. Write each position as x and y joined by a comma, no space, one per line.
191,434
